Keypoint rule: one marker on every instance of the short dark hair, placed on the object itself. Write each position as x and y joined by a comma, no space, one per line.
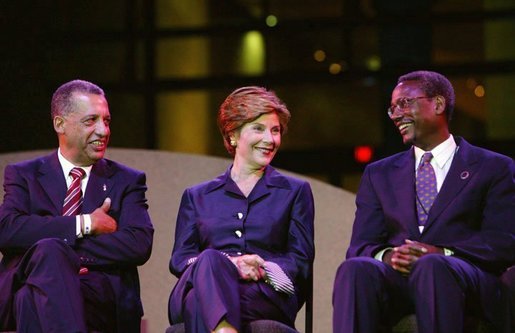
61,99
433,84
244,105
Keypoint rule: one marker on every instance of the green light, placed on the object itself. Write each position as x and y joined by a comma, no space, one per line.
271,21
374,63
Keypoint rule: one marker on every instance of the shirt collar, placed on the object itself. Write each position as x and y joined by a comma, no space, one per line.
441,153
67,166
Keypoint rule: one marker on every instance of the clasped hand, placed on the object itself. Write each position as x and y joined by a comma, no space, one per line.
401,258
250,267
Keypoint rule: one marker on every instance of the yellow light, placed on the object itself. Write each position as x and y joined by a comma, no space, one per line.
252,56
271,21
479,91
319,55
335,68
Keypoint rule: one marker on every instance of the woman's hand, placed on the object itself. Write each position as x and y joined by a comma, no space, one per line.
250,267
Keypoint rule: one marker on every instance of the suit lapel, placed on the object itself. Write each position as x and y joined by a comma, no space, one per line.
462,170
52,181
99,186
403,188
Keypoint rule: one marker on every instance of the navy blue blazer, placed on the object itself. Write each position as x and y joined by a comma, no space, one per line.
473,215
31,211
275,222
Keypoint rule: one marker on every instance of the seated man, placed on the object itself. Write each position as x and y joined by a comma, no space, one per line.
70,260
434,226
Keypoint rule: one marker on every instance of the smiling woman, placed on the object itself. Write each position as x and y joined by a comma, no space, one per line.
247,234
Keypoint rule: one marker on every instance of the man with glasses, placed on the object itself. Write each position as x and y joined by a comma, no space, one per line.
434,225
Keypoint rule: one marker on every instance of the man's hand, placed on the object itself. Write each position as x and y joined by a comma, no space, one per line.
250,266
423,248
101,222
402,258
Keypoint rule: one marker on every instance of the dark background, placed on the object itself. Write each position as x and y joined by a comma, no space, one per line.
140,52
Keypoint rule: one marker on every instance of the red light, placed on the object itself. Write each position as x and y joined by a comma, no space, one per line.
363,154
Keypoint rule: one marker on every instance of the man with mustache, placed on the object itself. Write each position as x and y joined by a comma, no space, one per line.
73,228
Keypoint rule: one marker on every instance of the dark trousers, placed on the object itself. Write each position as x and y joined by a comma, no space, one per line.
210,290
46,293
370,296
507,316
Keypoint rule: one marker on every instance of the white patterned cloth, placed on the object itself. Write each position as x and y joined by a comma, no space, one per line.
278,279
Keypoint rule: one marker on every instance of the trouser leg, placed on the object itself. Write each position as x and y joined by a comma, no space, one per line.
26,308
99,302
366,295
505,321
255,305
444,287
50,295
213,280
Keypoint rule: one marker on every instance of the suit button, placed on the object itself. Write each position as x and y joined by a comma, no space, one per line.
238,233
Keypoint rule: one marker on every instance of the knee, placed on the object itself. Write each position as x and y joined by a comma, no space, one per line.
212,257
53,250
50,247
357,268
433,262
430,268
358,277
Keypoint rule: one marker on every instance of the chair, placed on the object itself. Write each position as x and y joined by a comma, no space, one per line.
258,326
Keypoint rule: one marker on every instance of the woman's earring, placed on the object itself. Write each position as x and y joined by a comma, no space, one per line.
233,143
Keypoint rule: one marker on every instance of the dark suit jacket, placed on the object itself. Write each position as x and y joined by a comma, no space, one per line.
473,215
276,222
31,211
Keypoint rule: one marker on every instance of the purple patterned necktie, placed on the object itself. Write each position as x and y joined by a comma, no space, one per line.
426,188
73,201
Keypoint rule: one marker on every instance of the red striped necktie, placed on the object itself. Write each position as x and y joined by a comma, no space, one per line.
73,201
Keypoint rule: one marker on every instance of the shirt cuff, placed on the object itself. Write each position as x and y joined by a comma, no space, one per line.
277,278
379,255
191,260
87,224
78,229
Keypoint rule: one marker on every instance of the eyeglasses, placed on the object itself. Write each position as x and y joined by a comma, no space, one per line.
403,104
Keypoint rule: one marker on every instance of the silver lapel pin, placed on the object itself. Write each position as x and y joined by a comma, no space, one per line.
464,175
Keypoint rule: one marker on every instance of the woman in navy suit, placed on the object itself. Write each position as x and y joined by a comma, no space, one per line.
244,241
